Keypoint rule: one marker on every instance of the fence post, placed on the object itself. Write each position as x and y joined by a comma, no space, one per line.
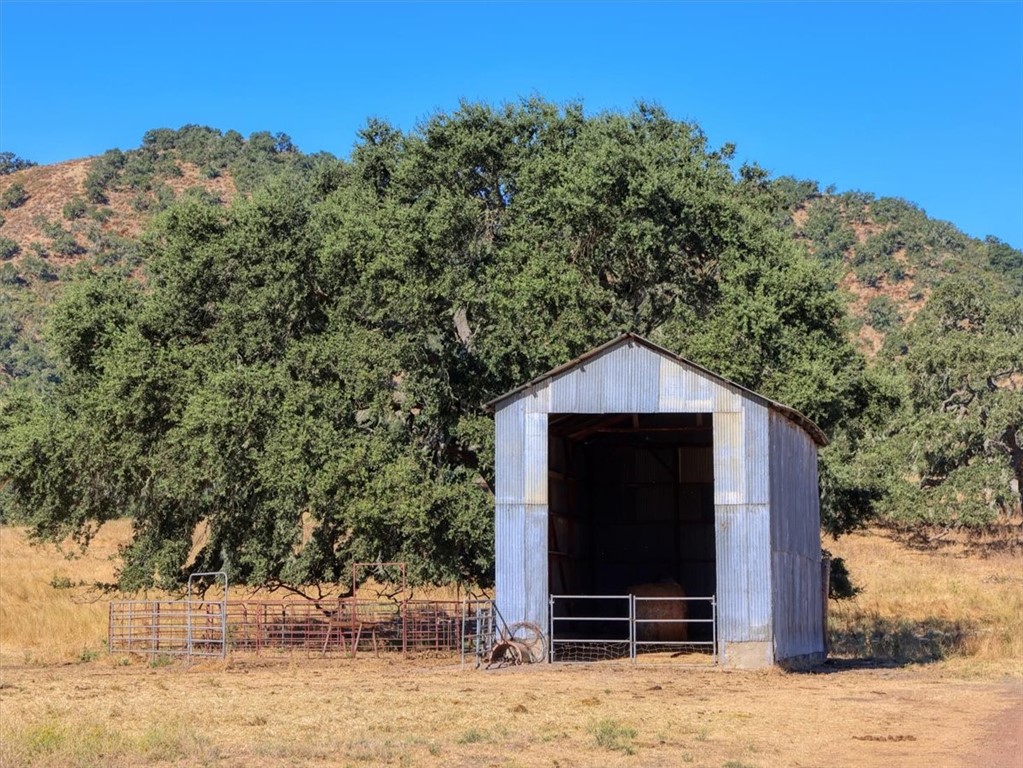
714,627
632,628
550,649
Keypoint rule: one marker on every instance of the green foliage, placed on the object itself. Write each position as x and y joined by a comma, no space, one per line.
304,372
8,249
883,313
13,197
1006,260
829,235
10,162
612,735
951,454
103,170
840,584
75,208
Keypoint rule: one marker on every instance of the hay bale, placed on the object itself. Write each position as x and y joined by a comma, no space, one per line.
665,611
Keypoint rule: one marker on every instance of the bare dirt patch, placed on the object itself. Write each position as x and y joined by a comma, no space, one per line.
390,712
51,187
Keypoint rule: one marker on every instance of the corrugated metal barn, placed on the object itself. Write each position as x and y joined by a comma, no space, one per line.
631,464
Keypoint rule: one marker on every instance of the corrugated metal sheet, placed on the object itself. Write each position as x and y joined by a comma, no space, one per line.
534,458
756,442
537,398
795,541
562,394
521,562
729,457
742,545
630,378
764,471
624,379
739,392
536,563
509,559
510,456
683,389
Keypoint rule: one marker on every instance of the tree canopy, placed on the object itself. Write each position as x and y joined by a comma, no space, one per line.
297,382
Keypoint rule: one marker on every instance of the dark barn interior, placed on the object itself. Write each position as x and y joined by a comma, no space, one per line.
631,500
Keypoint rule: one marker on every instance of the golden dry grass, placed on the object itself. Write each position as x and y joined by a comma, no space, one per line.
372,712
926,605
304,710
45,613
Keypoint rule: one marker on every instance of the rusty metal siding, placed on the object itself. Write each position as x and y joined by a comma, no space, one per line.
795,540
510,456
742,545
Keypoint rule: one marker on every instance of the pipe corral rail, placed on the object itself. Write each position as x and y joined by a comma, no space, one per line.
341,627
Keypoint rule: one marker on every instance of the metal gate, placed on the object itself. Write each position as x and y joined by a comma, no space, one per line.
590,628
191,627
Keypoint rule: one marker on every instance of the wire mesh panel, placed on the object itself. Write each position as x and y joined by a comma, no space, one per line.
594,628
675,629
589,628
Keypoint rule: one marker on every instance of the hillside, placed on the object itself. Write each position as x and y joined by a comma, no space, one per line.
211,308
885,254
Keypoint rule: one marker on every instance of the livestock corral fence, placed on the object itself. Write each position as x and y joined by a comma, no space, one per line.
199,627
582,628
590,628
344,627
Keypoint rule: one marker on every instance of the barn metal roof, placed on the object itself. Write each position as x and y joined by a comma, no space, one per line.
792,414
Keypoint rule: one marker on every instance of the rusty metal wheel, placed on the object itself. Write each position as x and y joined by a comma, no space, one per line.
530,638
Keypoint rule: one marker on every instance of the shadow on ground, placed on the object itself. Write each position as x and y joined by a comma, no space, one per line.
871,642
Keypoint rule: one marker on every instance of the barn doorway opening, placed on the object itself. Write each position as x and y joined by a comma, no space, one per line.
631,502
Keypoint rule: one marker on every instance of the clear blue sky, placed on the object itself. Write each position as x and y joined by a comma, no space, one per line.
916,100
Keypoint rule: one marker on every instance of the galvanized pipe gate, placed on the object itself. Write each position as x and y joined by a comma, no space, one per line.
589,628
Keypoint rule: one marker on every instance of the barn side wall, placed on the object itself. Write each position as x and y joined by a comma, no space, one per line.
795,543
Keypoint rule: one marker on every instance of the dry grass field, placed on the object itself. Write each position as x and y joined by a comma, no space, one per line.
929,672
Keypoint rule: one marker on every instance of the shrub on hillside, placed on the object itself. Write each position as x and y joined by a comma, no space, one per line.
8,248
883,314
75,208
14,196
10,162
9,275
102,172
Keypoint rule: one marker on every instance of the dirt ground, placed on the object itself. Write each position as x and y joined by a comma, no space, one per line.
367,711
